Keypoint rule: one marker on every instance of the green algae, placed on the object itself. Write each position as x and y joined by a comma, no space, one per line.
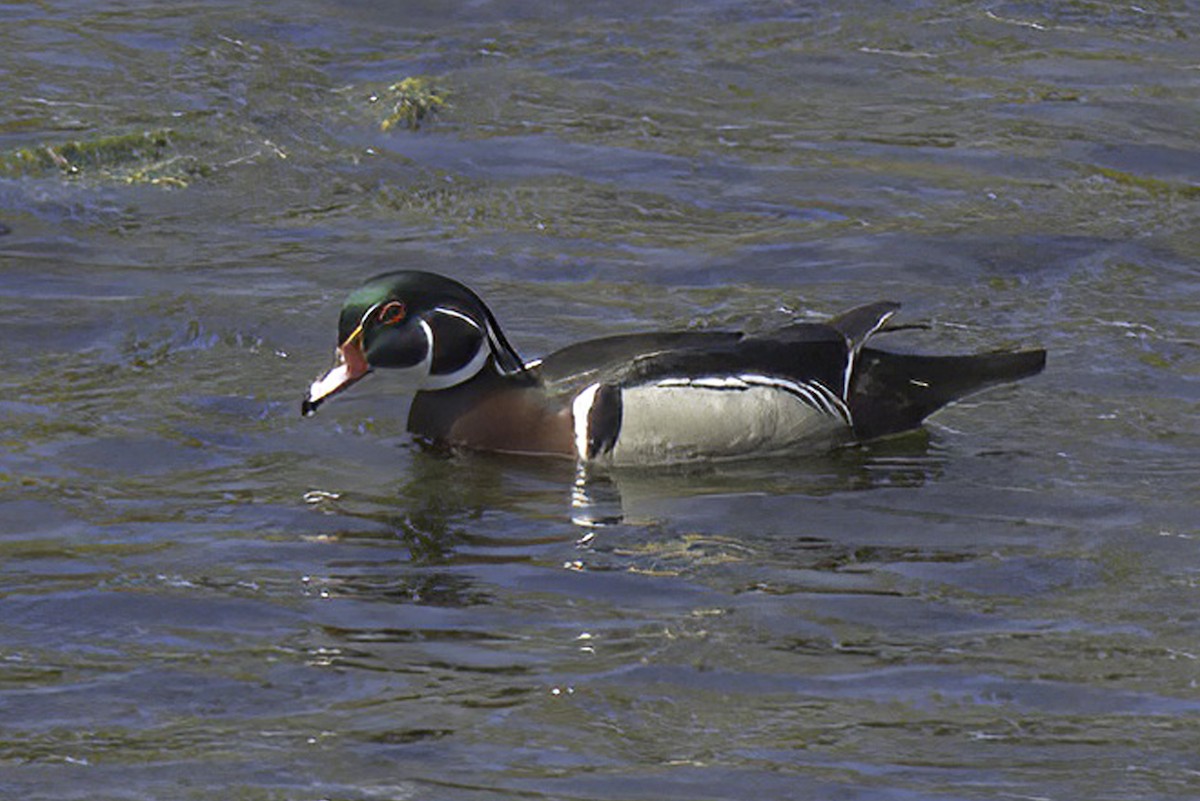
145,157
410,102
1156,187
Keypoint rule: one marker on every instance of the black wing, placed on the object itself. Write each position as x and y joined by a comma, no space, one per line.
609,359
800,352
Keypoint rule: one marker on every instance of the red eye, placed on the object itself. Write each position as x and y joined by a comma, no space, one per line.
390,313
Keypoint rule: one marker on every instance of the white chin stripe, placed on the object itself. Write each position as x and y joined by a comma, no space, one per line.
464,373
468,370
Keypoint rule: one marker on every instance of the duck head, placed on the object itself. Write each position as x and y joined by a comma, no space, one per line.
430,330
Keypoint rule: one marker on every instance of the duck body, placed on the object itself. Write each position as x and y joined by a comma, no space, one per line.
645,399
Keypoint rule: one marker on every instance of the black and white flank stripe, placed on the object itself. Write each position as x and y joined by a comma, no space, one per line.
710,416
812,393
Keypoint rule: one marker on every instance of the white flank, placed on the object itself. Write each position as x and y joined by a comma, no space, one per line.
581,409
814,393
722,417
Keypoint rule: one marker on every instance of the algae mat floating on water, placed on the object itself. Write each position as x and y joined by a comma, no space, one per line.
153,157
412,100
144,157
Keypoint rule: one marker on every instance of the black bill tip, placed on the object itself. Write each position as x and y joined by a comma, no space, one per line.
309,407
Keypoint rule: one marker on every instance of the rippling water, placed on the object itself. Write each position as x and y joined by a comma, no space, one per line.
202,595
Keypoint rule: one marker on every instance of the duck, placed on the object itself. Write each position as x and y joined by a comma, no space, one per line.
649,398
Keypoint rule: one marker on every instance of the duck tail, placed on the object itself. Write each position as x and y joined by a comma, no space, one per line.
893,392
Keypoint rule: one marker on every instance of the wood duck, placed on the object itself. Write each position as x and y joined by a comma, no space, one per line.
642,399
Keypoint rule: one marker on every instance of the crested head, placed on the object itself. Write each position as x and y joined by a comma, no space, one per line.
416,289
431,330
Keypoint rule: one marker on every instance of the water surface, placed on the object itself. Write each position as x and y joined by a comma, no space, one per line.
203,595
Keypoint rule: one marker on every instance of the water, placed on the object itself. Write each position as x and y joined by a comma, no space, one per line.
203,595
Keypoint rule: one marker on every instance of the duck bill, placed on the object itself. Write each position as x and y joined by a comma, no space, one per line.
351,366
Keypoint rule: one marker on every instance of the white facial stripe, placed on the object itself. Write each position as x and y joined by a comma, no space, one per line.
497,348
427,362
459,315
473,366
581,410
362,321
444,380
493,341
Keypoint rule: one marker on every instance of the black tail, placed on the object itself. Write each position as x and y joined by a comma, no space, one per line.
892,392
